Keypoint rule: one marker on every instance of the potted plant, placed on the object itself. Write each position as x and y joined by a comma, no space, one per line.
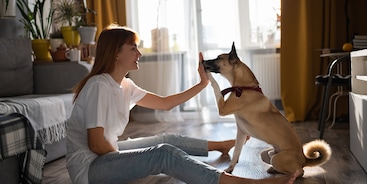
7,8
37,22
58,48
56,39
67,13
86,31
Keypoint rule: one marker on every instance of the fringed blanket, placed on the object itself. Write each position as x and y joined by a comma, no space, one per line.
17,137
47,113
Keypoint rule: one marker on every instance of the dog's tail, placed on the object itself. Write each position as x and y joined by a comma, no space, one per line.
317,152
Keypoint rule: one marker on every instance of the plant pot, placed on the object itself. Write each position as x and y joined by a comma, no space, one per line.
55,43
71,36
87,34
41,49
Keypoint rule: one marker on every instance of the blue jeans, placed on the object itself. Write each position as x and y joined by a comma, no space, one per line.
166,153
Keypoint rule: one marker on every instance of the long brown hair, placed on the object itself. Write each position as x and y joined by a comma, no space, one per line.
109,44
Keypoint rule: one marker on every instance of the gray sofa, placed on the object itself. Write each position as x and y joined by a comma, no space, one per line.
39,91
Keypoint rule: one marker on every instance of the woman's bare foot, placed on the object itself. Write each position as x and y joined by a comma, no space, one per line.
222,146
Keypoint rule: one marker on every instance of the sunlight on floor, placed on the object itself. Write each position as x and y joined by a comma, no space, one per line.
314,171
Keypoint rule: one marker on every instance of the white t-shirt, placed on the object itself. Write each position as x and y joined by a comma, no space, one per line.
101,103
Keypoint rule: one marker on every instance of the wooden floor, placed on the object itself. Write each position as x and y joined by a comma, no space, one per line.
342,168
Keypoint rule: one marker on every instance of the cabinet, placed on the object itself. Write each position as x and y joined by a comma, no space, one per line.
358,107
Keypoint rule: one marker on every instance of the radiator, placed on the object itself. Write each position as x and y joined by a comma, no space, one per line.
162,75
266,68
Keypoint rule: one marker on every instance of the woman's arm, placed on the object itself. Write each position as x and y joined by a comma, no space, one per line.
166,103
97,143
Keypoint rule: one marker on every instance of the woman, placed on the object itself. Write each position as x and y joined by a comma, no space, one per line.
102,103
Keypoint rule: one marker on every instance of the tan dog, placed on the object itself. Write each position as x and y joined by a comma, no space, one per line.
257,117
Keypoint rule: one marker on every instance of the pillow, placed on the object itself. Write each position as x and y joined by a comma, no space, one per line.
16,71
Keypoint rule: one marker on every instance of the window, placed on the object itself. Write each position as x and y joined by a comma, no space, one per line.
209,26
264,18
148,15
251,23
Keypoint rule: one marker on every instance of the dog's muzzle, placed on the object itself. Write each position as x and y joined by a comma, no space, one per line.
211,66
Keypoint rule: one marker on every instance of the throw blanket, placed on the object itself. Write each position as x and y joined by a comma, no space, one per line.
47,113
17,137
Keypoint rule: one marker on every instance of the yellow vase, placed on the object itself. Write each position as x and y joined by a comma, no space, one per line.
41,50
70,35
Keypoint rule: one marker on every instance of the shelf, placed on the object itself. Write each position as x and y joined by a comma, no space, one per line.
358,128
357,104
361,77
359,71
359,53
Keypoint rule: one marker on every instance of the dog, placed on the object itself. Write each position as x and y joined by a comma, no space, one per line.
257,117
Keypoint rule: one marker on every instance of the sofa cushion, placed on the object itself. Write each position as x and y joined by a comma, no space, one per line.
57,77
16,72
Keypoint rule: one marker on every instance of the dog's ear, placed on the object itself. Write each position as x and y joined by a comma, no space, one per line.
233,54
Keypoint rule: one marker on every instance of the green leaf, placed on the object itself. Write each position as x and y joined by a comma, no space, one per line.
37,21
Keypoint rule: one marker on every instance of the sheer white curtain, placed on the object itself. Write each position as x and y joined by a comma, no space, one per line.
253,26
170,51
174,31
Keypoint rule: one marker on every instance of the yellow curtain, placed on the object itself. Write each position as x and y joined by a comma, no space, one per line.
108,11
307,27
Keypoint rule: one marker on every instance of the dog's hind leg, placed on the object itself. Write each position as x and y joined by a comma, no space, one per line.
287,163
266,155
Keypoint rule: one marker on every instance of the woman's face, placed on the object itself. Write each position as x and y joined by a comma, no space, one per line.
128,57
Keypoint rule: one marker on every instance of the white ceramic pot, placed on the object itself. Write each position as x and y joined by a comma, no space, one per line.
87,34
55,43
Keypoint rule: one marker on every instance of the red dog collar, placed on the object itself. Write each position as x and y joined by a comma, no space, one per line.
239,90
